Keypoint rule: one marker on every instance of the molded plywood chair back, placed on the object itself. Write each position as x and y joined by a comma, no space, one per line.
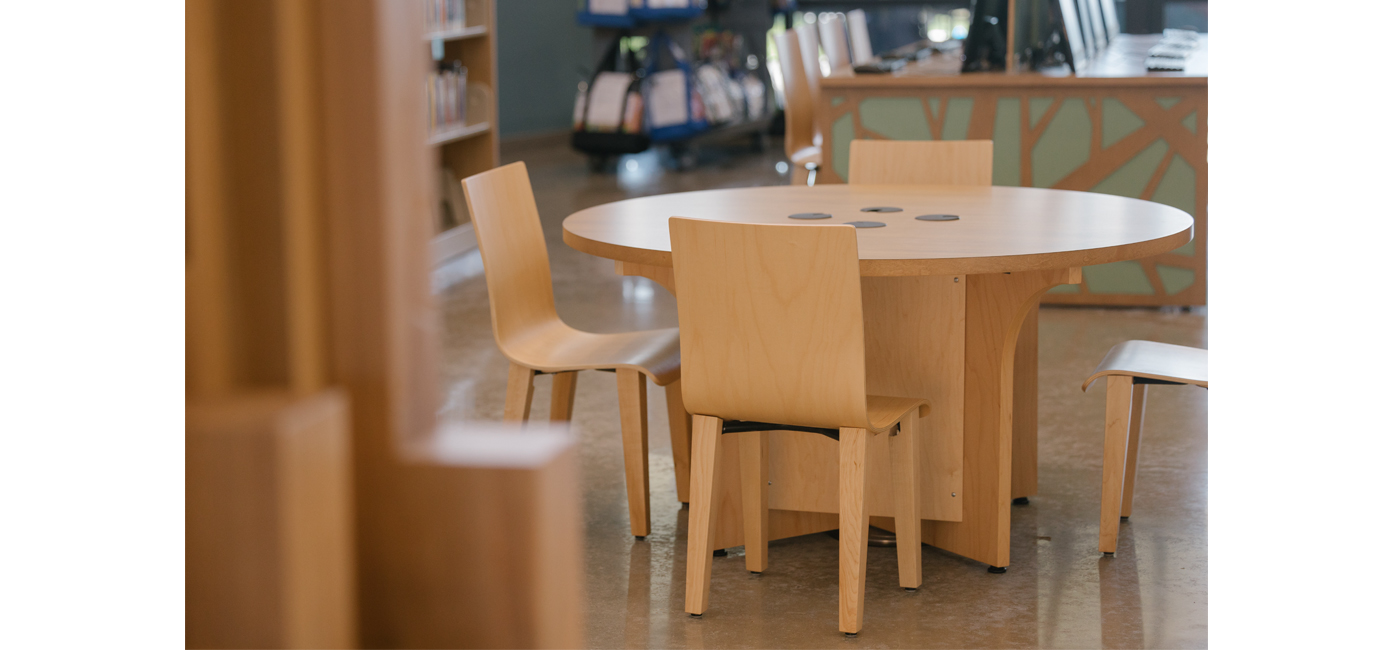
797,94
771,324
513,253
937,162
833,32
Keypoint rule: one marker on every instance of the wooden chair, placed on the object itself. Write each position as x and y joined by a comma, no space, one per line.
935,162
529,332
772,335
833,33
1130,367
799,140
860,36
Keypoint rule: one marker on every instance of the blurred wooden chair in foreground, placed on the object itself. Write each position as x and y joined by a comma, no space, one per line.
530,333
773,338
1131,366
799,137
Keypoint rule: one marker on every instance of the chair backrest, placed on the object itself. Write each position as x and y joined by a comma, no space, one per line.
921,162
860,36
797,94
833,32
771,322
810,43
511,242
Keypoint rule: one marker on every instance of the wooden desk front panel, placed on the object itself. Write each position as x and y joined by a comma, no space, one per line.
1135,140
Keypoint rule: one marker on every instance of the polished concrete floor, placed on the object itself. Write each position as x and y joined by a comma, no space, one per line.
1059,592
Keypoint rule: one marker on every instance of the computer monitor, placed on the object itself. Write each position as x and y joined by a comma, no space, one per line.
985,46
1065,14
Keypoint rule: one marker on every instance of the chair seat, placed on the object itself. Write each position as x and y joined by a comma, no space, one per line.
885,411
556,347
1152,360
805,155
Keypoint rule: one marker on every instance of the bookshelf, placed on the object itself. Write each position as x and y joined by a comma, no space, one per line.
465,31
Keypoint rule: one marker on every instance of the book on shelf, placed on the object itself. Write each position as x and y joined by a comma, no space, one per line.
447,97
445,15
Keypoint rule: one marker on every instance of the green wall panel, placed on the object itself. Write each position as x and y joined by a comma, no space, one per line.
1118,277
1167,102
933,106
843,131
1063,146
958,117
1118,121
1038,107
1189,249
1006,143
1174,279
1178,186
837,101
1131,179
1190,122
896,118
1064,288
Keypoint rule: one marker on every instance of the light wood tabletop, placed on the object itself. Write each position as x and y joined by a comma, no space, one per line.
998,229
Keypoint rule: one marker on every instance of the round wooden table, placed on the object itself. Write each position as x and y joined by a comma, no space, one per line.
945,304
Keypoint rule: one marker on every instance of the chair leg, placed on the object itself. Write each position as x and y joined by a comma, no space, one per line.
753,486
561,396
704,511
632,402
680,439
855,527
520,389
904,467
1115,453
1134,435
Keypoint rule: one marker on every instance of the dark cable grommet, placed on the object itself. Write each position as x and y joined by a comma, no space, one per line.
937,217
882,208
866,224
810,215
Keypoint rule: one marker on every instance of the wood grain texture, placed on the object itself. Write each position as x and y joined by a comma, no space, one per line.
520,391
704,494
905,488
632,402
1154,360
523,318
679,421
997,305
1115,451
935,162
561,396
1001,228
855,527
1134,437
753,477
268,540
1025,410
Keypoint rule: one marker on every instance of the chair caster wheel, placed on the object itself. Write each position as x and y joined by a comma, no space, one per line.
996,569
1021,501
719,552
